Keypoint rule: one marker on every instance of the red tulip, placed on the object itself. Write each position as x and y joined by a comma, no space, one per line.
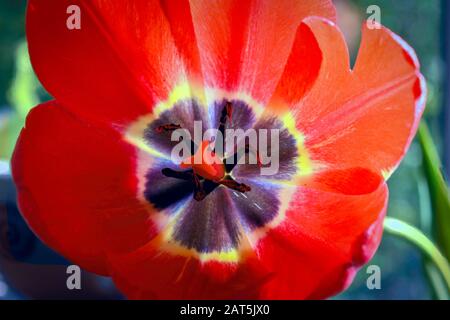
93,170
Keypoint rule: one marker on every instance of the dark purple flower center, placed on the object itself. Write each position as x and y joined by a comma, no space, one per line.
225,213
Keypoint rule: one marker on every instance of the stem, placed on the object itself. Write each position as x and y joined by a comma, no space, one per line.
440,291
415,236
438,189
438,287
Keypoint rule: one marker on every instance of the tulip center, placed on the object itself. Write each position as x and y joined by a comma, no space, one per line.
212,206
205,163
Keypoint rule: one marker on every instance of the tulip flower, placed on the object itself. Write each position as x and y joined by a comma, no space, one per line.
94,171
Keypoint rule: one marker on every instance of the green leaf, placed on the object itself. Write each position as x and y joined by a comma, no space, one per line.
10,125
22,94
439,192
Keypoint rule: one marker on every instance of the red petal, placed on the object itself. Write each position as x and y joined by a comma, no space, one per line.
127,56
150,273
178,13
77,187
300,73
331,228
115,68
244,45
368,116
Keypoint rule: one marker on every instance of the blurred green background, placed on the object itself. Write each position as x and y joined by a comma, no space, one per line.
403,269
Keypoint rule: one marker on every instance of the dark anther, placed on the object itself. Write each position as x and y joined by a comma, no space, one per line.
227,113
182,175
232,184
188,175
199,192
168,127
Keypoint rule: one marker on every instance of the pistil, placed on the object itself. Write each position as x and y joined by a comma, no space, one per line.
204,171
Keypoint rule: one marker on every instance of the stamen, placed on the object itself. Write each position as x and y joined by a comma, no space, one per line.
227,112
199,191
232,184
168,127
182,175
188,175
